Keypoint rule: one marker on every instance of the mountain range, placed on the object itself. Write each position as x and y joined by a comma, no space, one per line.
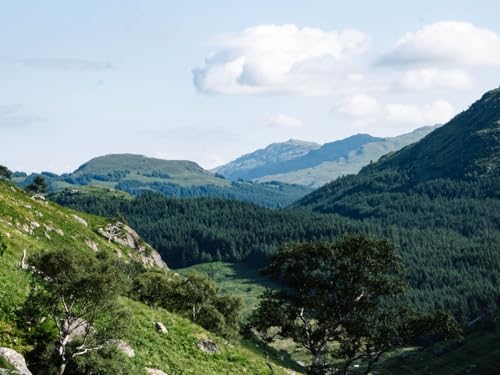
310,164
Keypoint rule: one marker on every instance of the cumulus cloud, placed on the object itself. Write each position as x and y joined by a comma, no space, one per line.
364,109
282,59
437,112
435,78
447,42
284,121
360,106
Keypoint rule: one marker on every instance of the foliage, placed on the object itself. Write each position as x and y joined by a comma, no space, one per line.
78,293
194,296
5,173
341,300
38,186
447,233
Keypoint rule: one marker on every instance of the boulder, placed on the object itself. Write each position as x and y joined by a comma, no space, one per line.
208,346
16,360
160,327
155,371
125,348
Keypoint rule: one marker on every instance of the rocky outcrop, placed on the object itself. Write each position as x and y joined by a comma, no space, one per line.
122,234
16,360
208,346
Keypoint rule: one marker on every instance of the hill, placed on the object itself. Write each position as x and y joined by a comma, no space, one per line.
33,224
260,162
460,160
349,163
135,174
270,162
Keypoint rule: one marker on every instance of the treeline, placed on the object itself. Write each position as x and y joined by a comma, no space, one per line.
450,244
270,195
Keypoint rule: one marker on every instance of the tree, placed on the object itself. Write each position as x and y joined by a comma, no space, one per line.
38,186
5,173
78,292
345,293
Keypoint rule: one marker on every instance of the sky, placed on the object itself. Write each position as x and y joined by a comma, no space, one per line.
211,80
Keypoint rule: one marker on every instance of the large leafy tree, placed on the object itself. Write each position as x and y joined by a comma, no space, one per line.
341,302
78,293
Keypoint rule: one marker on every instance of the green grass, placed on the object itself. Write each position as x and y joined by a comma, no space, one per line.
479,354
236,279
175,353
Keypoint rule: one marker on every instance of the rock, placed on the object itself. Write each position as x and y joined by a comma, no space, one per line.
155,371
92,245
208,346
80,220
16,360
124,347
161,328
38,197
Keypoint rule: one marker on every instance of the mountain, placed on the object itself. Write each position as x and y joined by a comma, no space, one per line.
349,163
438,200
316,165
458,160
31,225
260,162
136,174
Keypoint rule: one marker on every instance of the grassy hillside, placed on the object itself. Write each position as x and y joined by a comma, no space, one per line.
125,167
34,225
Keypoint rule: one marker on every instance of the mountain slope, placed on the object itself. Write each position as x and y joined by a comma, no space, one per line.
459,160
315,156
35,225
258,162
349,164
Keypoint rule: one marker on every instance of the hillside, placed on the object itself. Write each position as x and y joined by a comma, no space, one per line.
350,163
271,164
457,161
34,225
135,174
259,162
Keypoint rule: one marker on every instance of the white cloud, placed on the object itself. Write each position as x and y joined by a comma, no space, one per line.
282,59
365,110
447,42
437,112
284,121
360,106
435,78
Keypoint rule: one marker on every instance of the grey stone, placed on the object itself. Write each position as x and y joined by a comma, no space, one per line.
16,360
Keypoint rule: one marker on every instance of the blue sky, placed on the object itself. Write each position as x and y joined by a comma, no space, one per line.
210,80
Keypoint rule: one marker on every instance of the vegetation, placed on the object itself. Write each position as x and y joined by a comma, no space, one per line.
5,173
136,174
194,296
38,186
38,226
341,303
79,294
